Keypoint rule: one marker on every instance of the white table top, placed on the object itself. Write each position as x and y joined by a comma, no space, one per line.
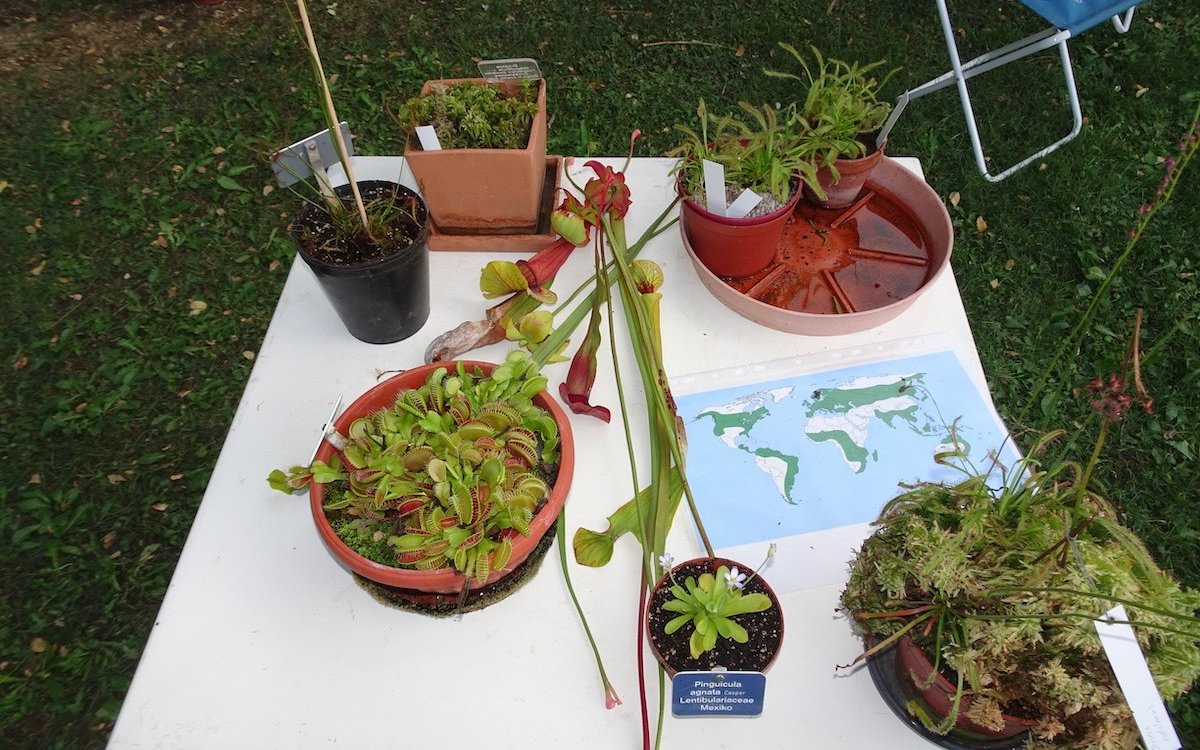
264,641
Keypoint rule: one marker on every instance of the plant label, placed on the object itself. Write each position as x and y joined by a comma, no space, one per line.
512,69
428,138
1133,675
743,204
296,162
718,693
714,187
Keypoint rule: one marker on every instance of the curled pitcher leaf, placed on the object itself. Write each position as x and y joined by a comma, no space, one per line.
500,278
647,275
570,226
577,389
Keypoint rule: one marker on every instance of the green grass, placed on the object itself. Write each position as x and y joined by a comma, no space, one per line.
145,256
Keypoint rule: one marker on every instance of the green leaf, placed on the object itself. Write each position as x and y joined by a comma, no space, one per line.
229,183
279,481
676,623
592,549
730,629
324,473
739,605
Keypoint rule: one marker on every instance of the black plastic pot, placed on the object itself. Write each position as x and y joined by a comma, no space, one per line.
382,301
897,692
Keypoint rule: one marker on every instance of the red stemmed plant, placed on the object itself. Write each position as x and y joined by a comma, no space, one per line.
599,217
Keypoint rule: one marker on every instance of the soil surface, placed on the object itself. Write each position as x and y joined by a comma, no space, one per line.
326,238
765,629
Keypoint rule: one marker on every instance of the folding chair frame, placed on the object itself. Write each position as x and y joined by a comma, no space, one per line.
961,72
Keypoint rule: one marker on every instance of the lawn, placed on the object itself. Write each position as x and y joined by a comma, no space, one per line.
149,247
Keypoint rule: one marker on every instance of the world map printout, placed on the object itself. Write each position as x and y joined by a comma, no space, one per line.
802,455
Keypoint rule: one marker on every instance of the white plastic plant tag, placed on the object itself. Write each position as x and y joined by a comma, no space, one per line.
428,138
714,187
1133,675
743,204
516,68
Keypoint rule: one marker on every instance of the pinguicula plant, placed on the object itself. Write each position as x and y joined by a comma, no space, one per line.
447,476
709,605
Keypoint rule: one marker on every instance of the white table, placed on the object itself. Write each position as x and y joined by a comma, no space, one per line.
264,641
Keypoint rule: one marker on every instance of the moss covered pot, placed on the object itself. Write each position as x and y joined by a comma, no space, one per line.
999,590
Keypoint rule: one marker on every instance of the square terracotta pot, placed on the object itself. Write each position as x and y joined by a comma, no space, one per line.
471,188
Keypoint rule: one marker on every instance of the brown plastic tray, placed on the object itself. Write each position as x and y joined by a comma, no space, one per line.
841,271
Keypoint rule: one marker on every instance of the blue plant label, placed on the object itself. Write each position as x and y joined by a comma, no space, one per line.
516,68
718,693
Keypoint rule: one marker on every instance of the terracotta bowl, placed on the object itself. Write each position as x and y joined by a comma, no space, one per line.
840,271
445,580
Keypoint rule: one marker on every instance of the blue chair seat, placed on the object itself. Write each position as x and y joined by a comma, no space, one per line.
1077,16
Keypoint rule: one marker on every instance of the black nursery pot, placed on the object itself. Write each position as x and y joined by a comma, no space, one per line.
381,301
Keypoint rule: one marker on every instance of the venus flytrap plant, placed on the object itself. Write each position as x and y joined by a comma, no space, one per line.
447,476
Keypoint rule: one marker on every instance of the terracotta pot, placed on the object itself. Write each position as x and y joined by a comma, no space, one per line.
852,176
384,301
913,669
445,580
719,656
497,189
734,247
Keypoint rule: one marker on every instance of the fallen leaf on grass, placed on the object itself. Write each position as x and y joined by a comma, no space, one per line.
161,241
980,224
1009,264
38,645
197,306
248,354
229,183
740,51
994,283
35,479
1140,90
20,363
116,478
955,198
107,540
160,507
37,270
4,185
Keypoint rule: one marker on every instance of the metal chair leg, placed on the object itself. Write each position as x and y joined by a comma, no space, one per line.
960,73
1121,22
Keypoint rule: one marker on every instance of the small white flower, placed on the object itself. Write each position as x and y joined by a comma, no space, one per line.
667,560
735,578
